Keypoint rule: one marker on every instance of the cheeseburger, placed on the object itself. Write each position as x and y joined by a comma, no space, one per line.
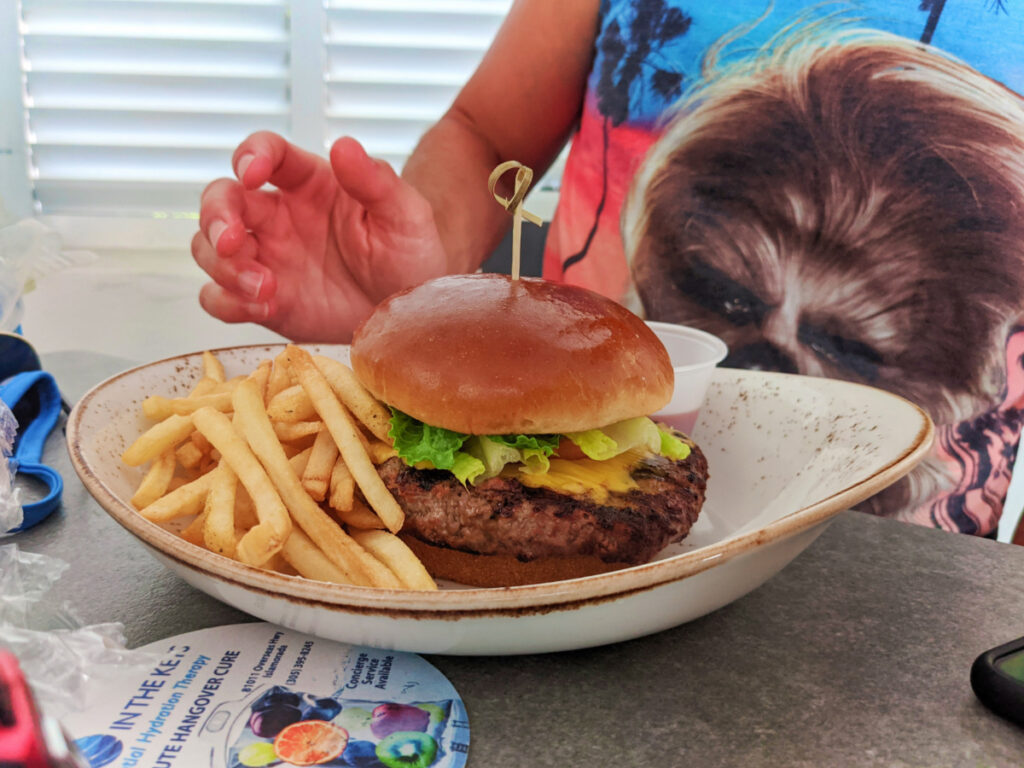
520,417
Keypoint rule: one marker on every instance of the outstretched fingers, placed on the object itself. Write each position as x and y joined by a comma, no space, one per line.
375,186
241,275
227,212
230,308
267,158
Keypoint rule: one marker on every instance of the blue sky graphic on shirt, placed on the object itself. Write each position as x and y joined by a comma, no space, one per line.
987,34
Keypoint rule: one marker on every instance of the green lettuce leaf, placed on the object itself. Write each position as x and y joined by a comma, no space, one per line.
535,461
416,441
595,444
672,447
546,444
532,451
466,468
607,442
492,455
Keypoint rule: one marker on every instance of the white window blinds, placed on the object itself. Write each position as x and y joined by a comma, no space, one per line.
132,106
393,66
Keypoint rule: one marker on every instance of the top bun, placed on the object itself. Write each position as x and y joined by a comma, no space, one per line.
484,354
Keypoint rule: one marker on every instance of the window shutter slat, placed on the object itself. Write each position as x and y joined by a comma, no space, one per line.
154,199
163,57
149,128
172,19
149,92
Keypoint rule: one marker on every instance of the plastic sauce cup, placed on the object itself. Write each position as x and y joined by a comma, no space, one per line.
694,355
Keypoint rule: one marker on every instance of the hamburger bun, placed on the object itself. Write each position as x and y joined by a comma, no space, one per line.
484,354
504,570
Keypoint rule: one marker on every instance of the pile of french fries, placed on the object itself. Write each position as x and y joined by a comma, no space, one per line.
276,469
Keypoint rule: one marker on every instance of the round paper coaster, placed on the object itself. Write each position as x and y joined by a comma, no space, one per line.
257,695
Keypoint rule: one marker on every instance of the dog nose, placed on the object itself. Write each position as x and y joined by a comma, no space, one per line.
760,356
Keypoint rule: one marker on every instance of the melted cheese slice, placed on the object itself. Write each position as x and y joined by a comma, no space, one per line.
584,476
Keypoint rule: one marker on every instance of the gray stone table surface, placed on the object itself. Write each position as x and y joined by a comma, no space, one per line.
856,654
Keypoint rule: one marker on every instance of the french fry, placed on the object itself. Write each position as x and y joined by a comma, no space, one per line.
306,558
159,438
364,406
203,387
260,376
344,432
291,405
219,528
288,432
337,545
176,482
188,455
380,451
268,537
299,460
181,502
280,377
317,473
245,510
209,462
156,480
363,439
158,407
397,556
343,486
201,442
212,367
193,532
360,516
227,386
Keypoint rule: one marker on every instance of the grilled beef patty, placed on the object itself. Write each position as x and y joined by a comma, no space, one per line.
503,516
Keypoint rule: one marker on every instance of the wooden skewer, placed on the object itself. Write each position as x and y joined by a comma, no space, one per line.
514,204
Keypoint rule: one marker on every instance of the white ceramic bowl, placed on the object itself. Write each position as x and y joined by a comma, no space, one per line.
694,355
786,453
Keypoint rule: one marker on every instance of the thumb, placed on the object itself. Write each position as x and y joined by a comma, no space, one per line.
370,182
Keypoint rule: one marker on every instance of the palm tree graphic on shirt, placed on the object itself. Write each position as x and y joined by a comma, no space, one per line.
629,59
934,9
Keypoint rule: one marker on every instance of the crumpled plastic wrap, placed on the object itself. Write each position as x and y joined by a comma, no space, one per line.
62,659
11,515
29,250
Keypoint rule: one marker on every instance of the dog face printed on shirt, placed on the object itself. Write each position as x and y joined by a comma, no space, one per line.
852,210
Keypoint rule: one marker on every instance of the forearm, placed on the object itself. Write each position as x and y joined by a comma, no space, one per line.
450,167
520,104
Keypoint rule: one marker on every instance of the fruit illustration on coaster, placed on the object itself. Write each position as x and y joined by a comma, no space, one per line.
436,712
354,719
407,749
257,755
269,722
313,708
310,742
391,717
361,754
279,707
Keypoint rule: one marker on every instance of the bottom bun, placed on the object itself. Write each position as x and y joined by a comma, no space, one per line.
478,570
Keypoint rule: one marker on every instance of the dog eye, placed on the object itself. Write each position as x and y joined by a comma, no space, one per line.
716,292
853,355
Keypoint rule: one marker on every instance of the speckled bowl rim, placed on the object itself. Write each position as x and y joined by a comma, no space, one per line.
458,603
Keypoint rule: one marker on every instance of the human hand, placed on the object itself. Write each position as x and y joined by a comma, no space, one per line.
312,257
